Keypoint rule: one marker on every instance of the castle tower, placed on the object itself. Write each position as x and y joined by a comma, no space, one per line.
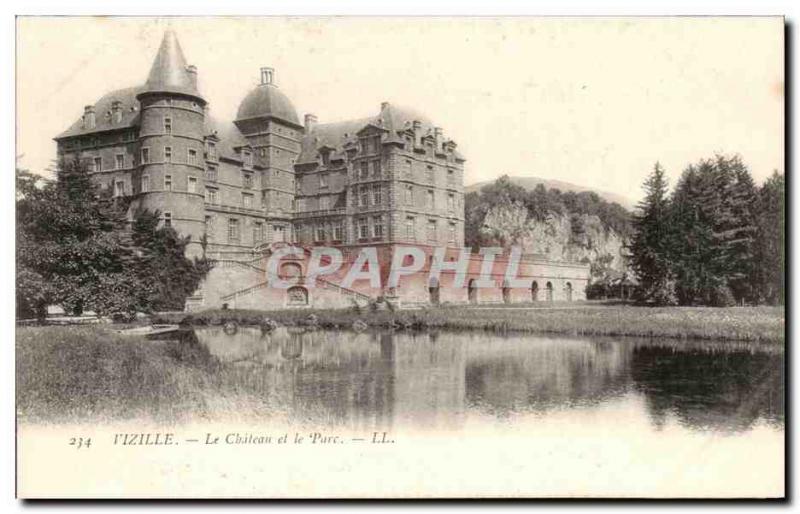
267,118
170,175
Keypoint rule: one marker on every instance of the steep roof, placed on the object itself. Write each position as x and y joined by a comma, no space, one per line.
104,121
336,135
266,100
170,73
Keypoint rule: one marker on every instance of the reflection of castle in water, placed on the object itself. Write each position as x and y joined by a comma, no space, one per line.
371,380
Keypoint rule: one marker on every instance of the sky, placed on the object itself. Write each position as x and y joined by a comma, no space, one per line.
592,101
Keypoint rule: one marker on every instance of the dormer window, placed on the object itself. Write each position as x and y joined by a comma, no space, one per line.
326,158
116,111
89,119
247,180
212,151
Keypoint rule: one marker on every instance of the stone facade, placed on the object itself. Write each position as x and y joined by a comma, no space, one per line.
268,179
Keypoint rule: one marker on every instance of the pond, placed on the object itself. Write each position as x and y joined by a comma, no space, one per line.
447,380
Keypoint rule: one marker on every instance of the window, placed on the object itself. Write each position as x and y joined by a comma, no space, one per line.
451,176
432,230
98,164
233,230
326,158
211,195
119,188
167,219
192,185
430,200
323,203
247,200
211,174
212,151
377,227
145,155
119,161
247,180
209,225
409,195
364,169
364,197
167,125
363,228
191,158
451,202
168,182
408,169
167,154
145,183
376,168
452,232
258,232
323,180
248,158
410,232
319,233
377,197
429,173
263,199
338,232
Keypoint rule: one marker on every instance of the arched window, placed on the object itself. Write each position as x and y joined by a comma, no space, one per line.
549,288
297,296
433,291
290,270
534,291
568,291
472,291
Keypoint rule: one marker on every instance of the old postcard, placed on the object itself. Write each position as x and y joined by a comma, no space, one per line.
400,257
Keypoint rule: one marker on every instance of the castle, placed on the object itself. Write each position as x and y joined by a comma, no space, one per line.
240,189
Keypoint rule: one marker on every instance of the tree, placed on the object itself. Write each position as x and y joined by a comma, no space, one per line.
650,242
713,242
770,253
162,263
76,248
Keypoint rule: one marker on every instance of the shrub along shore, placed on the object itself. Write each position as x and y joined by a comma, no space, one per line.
755,324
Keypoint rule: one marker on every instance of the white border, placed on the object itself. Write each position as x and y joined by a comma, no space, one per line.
791,9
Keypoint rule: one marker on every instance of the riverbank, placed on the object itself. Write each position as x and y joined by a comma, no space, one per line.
752,324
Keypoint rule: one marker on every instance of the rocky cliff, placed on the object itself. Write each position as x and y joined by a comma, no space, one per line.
563,237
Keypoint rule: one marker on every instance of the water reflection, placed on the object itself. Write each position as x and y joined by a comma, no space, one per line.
372,380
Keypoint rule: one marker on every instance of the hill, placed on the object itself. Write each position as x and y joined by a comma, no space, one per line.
551,222
530,183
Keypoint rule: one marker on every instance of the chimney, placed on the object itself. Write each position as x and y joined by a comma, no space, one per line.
267,76
310,122
89,120
437,138
417,133
192,71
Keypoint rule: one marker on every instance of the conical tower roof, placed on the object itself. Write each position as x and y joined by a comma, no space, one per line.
170,73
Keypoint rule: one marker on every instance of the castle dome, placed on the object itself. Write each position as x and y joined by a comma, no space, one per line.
267,101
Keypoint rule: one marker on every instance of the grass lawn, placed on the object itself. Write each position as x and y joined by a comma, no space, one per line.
756,324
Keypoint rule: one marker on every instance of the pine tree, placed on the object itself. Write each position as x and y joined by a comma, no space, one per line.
770,247
650,242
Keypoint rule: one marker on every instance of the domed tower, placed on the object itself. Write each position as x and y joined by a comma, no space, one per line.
267,118
171,153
